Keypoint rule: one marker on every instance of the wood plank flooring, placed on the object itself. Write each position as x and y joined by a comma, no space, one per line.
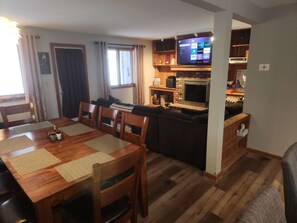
180,193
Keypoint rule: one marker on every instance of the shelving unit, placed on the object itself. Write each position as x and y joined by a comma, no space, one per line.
170,93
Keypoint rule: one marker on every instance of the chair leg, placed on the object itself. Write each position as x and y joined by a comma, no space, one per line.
143,191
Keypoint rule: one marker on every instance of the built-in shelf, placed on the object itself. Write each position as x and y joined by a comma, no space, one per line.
190,68
164,52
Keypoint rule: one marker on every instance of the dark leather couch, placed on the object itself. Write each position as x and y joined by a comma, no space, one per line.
182,135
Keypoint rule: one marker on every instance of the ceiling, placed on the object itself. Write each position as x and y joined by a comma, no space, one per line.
272,3
146,19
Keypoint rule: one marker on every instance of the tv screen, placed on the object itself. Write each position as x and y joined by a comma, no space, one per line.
194,51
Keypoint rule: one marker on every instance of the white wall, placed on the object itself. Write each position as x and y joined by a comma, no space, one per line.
54,36
270,96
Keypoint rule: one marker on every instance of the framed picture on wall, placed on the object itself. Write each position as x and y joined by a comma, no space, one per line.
44,62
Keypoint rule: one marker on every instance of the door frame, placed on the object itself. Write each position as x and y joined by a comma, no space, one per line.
54,46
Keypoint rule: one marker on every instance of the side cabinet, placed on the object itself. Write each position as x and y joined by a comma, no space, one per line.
234,146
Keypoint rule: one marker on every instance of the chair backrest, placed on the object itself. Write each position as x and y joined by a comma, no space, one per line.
289,169
108,120
132,120
18,109
125,173
265,207
87,114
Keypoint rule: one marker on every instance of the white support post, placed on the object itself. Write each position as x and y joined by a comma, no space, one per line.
219,74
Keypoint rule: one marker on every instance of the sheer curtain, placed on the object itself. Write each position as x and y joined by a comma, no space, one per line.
138,74
103,68
31,75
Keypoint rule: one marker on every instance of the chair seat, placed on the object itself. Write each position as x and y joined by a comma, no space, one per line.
8,186
17,209
81,210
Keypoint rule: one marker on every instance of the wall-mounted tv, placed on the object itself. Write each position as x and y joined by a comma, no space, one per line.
194,51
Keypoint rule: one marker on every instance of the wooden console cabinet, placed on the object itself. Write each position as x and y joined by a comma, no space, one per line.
234,146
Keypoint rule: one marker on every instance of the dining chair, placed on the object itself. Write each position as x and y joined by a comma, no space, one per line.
108,120
17,208
2,166
132,120
8,186
114,192
25,111
265,207
289,169
87,114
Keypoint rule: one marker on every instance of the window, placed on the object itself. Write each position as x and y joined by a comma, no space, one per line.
11,82
120,66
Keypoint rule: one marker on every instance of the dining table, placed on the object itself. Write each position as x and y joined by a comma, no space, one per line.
52,171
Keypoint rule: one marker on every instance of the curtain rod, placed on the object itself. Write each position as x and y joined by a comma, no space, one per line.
118,44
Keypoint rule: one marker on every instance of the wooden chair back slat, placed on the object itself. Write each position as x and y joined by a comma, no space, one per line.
136,121
111,115
91,111
127,186
18,109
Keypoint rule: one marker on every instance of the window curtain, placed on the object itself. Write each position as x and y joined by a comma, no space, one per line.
138,74
31,75
103,68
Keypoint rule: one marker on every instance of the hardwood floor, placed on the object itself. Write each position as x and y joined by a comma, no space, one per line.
180,193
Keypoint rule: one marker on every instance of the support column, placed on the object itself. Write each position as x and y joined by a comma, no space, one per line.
219,76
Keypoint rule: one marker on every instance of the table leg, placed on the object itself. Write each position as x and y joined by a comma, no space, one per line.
43,212
143,192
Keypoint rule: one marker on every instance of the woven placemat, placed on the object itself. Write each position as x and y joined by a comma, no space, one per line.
75,129
31,127
76,169
12,144
107,143
33,161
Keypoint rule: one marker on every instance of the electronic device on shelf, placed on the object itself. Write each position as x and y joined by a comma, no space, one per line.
194,51
235,60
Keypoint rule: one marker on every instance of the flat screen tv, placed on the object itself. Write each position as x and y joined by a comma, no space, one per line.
194,51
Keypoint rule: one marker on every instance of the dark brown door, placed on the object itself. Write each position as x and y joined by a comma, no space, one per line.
70,77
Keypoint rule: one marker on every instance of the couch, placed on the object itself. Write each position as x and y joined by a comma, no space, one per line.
181,135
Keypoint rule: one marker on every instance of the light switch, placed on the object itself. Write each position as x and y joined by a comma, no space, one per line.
264,67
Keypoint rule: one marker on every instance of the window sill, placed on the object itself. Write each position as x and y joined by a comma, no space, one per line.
122,86
10,98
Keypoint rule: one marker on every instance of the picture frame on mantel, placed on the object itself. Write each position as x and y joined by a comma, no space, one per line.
44,62
157,81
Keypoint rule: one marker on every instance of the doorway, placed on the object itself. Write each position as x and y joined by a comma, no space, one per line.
70,76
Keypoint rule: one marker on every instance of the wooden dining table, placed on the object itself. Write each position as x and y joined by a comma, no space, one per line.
45,187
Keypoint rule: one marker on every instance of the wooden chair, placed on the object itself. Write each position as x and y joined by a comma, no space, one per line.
289,169
265,207
87,114
115,199
18,109
106,115
132,120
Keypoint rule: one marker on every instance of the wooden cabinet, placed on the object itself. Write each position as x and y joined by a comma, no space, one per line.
240,40
165,59
239,47
234,146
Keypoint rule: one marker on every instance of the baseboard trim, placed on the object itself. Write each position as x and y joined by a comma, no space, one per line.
214,177
264,154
